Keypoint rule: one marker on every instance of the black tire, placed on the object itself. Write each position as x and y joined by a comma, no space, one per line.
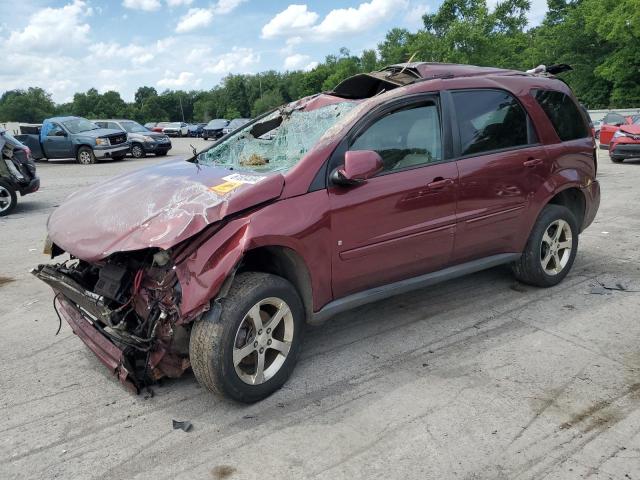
85,156
137,151
529,268
212,343
8,198
205,138
616,160
161,154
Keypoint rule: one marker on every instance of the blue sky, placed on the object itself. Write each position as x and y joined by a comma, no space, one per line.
67,46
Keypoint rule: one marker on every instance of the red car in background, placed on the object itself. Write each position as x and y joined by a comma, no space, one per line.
610,124
626,141
159,128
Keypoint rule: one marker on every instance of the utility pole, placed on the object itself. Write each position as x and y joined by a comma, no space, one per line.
181,109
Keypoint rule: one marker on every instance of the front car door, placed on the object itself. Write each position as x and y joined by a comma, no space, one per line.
57,143
400,223
501,165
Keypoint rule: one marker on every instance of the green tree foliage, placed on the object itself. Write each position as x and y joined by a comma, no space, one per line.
599,38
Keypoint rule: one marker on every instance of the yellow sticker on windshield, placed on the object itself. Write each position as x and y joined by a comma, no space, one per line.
226,187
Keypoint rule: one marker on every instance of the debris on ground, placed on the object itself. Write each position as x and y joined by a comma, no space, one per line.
185,425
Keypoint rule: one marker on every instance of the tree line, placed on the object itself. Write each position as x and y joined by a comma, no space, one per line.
600,39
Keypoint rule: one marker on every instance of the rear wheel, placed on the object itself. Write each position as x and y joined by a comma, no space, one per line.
551,248
251,350
85,156
8,198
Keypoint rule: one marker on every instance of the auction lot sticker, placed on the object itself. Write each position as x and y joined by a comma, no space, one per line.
243,178
226,187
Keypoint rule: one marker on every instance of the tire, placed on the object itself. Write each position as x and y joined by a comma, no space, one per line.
137,151
205,138
161,154
616,160
85,156
213,344
8,198
548,235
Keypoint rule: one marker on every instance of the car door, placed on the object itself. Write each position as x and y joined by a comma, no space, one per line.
501,165
400,223
57,143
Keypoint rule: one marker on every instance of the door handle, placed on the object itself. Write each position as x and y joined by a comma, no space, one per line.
439,183
533,162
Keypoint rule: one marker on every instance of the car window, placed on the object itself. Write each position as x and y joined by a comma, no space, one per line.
405,138
613,118
563,113
489,120
114,126
56,130
101,124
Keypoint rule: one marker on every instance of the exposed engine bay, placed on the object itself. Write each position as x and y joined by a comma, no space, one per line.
132,300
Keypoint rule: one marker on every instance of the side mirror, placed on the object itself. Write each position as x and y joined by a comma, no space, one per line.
359,166
61,133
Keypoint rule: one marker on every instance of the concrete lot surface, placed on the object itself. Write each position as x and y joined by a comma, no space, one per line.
477,378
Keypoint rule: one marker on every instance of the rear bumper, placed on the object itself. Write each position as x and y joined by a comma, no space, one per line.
106,351
625,150
109,152
592,196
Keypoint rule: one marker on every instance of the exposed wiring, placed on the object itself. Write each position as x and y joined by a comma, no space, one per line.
55,308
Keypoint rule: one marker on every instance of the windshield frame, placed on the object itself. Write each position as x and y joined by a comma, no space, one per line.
78,120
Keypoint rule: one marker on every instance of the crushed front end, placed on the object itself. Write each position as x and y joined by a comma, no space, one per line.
125,309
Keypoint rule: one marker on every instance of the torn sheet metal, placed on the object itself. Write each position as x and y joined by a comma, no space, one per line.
154,207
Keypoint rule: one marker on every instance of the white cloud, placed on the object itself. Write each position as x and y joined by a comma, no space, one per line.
294,20
310,66
413,18
195,18
136,54
53,29
362,18
171,81
239,60
178,3
227,6
295,61
145,5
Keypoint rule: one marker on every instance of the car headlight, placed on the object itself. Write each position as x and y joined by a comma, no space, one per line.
102,141
619,134
146,138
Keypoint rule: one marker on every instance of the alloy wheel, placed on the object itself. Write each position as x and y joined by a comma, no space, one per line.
556,246
136,151
5,199
85,157
263,341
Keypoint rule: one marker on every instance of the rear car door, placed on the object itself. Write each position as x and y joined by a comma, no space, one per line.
57,143
400,223
501,165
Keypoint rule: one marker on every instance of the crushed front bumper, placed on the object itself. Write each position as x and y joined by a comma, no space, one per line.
106,351
621,151
109,152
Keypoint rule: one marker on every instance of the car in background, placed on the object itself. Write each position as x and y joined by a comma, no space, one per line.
176,129
159,127
595,128
142,140
150,125
195,129
626,141
235,124
17,172
610,124
214,128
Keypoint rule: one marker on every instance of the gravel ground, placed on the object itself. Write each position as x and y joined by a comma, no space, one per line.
477,378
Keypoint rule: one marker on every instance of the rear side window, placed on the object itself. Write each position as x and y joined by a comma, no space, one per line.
563,113
489,120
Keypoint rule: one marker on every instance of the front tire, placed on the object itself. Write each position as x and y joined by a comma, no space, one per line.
137,151
616,160
250,351
551,248
8,198
85,156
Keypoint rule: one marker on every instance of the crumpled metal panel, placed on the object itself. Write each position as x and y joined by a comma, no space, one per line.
157,206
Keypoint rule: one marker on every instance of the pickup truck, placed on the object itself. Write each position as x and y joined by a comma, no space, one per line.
76,137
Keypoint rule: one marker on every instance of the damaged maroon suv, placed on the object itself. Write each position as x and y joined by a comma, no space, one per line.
395,180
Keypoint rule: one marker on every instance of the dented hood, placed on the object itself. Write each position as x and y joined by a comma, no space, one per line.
154,207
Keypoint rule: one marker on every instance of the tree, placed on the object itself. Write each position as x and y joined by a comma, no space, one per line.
30,106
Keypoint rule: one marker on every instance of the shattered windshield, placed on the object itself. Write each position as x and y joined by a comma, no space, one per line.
277,141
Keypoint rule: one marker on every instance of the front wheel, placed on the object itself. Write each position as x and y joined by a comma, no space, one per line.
8,198
551,248
85,156
251,349
137,151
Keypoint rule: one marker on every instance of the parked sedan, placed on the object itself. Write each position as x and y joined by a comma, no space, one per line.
214,128
626,142
150,125
17,172
159,127
195,130
142,140
176,129
235,124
